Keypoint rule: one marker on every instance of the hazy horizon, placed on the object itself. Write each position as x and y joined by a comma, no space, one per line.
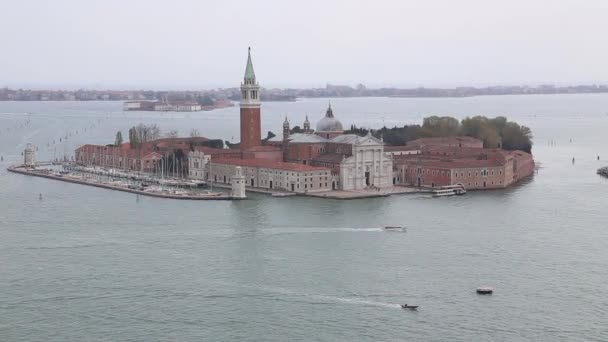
189,44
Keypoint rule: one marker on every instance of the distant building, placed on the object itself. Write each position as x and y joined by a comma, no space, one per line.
178,107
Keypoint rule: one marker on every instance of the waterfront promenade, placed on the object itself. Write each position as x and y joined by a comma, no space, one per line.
334,194
180,196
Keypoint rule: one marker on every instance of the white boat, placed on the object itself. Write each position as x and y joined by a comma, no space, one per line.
484,290
449,190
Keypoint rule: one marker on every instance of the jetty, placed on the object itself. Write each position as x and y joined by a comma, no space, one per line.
159,193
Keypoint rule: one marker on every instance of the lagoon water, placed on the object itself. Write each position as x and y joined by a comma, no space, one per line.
91,264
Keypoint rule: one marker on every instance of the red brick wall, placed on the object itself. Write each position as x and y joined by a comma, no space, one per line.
251,128
300,152
474,178
268,155
429,176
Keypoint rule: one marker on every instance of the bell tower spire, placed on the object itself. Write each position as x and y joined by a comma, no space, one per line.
251,130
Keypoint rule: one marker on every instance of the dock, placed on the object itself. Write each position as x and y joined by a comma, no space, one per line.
40,173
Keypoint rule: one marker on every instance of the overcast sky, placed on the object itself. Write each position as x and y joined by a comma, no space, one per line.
198,44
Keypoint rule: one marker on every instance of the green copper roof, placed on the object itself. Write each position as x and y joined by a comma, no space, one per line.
249,73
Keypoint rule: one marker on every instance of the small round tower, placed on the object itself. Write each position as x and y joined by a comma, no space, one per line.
238,184
29,155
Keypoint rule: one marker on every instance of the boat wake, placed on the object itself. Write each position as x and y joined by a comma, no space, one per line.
308,230
325,298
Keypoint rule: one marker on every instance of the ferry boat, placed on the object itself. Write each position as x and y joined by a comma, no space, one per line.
449,190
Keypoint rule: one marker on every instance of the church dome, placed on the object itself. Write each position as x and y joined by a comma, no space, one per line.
329,123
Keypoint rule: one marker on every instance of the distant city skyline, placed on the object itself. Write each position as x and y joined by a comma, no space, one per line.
187,44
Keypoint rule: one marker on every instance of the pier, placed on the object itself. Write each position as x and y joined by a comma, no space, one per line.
70,179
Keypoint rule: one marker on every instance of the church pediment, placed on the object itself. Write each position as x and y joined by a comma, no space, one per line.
369,141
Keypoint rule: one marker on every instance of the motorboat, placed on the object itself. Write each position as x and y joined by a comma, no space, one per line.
485,290
394,228
411,307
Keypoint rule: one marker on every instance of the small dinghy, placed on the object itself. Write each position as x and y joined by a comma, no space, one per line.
411,307
485,290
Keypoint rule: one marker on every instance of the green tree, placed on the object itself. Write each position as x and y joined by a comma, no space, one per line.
118,140
133,138
205,100
443,126
516,137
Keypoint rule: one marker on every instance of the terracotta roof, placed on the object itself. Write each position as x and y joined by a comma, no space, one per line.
454,163
119,151
263,149
400,148
269,164
329,158
443,140
215,151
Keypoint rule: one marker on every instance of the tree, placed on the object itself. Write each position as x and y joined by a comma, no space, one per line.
172,134
484,129
205,100
133,138
269,136
443,126
142,134
194,133
516,137
118,140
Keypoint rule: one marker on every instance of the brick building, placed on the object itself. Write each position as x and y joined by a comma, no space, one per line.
475,168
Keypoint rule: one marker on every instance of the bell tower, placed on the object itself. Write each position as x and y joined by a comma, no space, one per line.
306,125
285,145
251,124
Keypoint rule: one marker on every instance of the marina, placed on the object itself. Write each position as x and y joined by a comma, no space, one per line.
110,184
